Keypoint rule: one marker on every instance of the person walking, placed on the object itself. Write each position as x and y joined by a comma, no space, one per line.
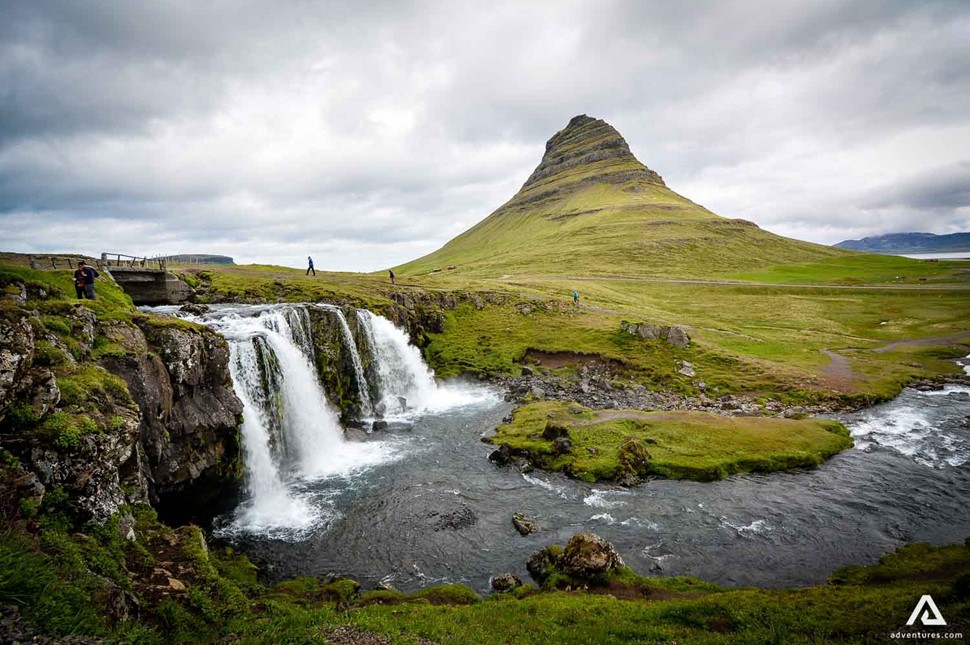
392,276
575,297
310,266
84,280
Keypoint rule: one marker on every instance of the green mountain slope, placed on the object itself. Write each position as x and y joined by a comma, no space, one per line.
591,208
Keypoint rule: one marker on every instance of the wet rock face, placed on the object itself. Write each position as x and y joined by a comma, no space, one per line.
334,361
189,429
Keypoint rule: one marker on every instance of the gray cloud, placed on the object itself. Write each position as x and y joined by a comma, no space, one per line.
369,133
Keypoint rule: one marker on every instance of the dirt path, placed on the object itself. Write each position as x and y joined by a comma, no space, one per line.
947,339
839,369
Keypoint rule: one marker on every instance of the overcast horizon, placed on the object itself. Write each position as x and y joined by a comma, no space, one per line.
367,135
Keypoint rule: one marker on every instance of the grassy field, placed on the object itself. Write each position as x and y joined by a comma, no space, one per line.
756,339
608,444
59,581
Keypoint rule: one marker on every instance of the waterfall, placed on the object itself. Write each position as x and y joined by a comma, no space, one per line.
399,369
269,498
290,431
366,406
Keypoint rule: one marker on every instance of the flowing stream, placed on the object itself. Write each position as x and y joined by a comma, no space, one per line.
420,504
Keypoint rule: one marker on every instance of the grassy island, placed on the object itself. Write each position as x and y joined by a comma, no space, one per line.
615,444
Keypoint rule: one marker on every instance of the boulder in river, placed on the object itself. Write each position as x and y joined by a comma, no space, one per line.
524,525
506,582
588,555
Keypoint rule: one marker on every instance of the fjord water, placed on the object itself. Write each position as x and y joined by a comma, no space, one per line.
420,503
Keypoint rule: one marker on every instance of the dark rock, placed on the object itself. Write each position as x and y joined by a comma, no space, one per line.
523,465
16,355
524,525
562,445
587,555
506,582
526,370
461,518
634,459
676,336
542,562
553,431
190,415
194,309
379,424
585,141
502,456
19,293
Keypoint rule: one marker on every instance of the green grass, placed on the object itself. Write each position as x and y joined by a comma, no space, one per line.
608,216
615,231
765,341
681,445
59,582
864,269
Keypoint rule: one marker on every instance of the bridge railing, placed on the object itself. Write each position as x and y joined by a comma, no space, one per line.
51,262
132,261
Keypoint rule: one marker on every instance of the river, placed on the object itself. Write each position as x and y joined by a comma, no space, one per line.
419,503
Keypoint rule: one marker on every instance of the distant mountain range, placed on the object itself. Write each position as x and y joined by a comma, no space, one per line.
910,243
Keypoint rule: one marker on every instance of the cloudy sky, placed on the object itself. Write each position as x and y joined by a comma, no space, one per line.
367,134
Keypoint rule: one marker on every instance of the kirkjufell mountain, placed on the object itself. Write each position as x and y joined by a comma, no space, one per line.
591,208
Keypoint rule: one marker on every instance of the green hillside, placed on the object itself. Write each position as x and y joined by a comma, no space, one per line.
591,208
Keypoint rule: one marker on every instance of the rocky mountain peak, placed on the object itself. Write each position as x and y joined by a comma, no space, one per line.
593,144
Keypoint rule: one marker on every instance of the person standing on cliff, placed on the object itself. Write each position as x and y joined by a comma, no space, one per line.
392,276
310,266
84,280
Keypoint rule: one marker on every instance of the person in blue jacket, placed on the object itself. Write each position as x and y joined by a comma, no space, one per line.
310,267
84,280
576,297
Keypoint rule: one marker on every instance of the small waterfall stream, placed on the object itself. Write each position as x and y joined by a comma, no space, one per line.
366,407
290,431
401,372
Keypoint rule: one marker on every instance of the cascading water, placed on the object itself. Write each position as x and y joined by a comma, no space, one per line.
366,407
400,371
290,432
